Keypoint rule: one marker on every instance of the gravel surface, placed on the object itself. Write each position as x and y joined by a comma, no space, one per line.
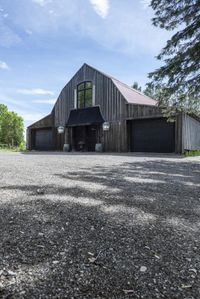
99,226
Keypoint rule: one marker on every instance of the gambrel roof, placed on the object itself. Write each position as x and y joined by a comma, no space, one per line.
131,95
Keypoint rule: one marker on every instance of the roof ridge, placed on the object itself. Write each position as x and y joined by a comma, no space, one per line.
98,70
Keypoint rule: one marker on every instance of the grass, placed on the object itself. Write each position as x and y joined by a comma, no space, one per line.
5,148
192,153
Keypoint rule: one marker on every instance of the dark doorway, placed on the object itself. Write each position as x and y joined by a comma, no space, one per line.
79,138
91,138
152,135
85,138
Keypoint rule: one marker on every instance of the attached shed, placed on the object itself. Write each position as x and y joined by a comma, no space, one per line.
41,135
136,123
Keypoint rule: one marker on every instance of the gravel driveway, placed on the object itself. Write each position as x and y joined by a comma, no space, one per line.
99,226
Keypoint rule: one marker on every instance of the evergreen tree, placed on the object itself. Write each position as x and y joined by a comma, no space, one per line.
180,74
136,86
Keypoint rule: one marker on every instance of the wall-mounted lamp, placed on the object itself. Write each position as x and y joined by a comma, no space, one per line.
106,126
61,129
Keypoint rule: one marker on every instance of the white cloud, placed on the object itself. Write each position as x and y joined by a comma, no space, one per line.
127,27
8,36
31,117
35,91
22,108
101,7
29,32
42,2
4,66
47,102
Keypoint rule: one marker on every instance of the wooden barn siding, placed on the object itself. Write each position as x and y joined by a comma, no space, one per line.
28,143
178,134
191,133
141,111
107,96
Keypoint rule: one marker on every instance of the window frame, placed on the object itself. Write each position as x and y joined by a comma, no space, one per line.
84,90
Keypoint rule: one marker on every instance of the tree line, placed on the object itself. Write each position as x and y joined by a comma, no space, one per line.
11,128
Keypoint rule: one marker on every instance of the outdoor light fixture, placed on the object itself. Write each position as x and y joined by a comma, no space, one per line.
61,129
106,126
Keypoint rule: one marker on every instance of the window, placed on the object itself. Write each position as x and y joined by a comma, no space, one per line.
84,95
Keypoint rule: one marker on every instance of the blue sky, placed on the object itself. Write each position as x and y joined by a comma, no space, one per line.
44,42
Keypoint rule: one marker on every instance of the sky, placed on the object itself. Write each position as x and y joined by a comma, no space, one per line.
43,43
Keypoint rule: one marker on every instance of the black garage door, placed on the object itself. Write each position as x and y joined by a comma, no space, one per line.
152,135
44,140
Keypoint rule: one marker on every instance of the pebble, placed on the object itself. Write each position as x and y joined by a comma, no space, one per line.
143,269
11,273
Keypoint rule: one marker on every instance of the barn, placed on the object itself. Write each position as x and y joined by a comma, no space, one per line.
97,109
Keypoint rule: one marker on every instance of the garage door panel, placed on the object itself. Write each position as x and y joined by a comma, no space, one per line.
44,140
152,135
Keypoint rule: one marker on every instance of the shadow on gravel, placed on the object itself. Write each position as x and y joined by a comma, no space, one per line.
130,232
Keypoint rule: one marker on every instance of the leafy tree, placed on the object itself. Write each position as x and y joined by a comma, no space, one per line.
3,111
136,86
180,74
11,127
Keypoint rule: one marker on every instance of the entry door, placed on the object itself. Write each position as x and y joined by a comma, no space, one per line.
152,135
85,138
79,138
91,137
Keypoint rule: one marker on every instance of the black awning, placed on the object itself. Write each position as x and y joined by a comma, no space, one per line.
85,116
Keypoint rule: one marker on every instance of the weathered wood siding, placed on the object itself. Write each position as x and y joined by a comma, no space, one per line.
142,111
114,108
107,96
179,134
191,133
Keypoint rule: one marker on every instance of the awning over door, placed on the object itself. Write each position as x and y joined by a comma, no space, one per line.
85,116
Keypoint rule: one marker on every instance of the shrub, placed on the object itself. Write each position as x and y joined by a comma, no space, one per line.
192,153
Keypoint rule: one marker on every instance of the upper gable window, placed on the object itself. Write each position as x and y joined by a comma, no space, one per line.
84,94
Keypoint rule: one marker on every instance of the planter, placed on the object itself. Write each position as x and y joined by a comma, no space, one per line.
99,147
66,147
